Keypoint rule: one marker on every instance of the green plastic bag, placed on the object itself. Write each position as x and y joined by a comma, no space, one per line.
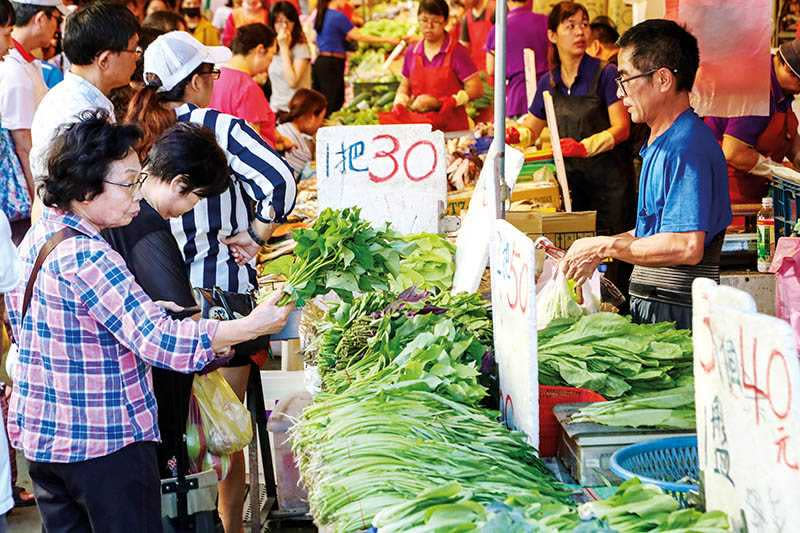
226,421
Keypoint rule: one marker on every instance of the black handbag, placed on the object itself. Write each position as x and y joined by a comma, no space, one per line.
217,304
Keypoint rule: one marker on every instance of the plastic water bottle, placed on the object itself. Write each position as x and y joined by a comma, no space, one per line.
765,227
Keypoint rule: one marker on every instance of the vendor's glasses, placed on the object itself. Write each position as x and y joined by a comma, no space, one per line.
425,21
621,82
134,187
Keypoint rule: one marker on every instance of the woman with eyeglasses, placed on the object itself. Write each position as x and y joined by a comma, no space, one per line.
83,409
220,237
592,123
439,77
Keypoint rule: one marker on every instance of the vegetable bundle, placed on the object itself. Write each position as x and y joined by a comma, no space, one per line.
669,409
606,353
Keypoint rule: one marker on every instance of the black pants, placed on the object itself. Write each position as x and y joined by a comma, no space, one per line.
118,493
327,76
645,311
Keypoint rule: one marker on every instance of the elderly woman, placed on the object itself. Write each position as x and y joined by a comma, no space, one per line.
83,409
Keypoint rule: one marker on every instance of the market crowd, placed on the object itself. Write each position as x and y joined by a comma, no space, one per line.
151,147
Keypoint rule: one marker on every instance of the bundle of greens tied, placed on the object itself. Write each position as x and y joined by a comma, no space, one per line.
345,254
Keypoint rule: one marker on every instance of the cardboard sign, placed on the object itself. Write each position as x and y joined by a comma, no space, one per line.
472,242
395,174
747,391
513,267
558,157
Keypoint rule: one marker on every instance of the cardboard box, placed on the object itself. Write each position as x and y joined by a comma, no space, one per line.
561,228
548,195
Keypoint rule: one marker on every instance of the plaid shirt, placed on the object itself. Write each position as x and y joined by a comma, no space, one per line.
82,388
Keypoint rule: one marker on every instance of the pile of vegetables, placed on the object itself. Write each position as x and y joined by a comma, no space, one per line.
363,109
606,353
360,453
669,409
343,253
636,507
387,28
369,68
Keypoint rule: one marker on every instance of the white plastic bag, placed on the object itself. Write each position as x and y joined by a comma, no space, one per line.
556,298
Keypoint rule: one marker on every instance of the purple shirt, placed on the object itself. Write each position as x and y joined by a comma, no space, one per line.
335,27
525,29
462,64
749,128
606,87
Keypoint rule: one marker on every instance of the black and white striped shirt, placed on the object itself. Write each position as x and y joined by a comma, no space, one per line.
258,173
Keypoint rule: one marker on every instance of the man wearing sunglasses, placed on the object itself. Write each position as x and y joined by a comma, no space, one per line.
22,85
755,146
683,207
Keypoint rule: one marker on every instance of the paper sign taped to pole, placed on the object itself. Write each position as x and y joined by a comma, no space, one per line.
747,397
472,242
513,267
394,173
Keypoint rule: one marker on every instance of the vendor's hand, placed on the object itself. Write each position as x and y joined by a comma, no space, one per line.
267,317
572,148
393,41
583,258
425,103
242,247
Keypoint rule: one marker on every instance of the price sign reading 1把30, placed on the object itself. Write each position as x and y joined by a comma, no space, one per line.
393,173
747,396
513,268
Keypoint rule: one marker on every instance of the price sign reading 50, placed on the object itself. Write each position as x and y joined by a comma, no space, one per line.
517,274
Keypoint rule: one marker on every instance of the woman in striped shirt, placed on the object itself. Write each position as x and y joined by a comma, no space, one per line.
220,237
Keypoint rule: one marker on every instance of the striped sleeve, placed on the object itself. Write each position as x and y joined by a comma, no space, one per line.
265,176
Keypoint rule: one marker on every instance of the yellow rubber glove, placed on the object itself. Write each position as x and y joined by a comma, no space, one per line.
598,143
461,97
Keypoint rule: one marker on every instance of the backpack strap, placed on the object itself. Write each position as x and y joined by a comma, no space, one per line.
56,239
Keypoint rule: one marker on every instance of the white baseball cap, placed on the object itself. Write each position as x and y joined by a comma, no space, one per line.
176,54
46,3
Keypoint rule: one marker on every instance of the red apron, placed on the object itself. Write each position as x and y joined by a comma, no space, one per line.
478,31
440,82
775,142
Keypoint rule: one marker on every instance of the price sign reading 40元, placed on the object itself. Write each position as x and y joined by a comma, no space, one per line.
393,173
747,396
512,262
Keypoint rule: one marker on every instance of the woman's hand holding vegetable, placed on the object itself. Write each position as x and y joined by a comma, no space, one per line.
425,103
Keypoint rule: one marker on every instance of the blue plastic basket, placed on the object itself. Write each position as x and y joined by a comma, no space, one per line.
661,462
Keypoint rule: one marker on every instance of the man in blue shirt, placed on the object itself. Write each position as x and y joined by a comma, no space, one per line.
684,207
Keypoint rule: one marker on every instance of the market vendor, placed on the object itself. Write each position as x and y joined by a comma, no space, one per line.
475,26
683,207
754,144
438,75
592,122
525,30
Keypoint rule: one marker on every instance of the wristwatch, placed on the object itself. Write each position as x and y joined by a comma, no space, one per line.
253,235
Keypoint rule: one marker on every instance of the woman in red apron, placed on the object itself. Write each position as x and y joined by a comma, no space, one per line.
755,145
439,78
478,21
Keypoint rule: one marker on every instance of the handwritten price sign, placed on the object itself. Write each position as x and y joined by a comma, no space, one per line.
747,389
393,173
512,262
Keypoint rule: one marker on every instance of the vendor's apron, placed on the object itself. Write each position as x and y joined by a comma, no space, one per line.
673,285
478,31
440,82
602,183
775,142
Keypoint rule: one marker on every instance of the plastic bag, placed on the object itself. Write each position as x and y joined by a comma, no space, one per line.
786,267
226,422
556,298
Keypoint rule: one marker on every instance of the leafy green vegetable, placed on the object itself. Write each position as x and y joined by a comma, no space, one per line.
428,263
608,354
669,409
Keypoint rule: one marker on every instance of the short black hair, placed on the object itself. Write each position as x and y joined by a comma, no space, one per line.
7,15
24,13
80,156
434,7
250,36
97,27
603,32
661,43
190,151
166,21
